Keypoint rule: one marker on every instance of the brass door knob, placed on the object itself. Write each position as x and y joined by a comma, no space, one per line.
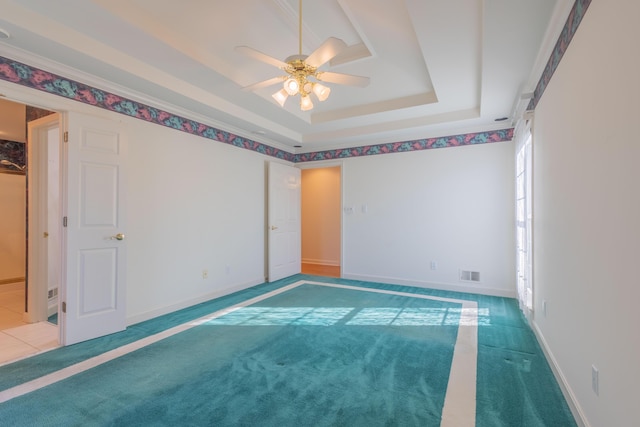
118,236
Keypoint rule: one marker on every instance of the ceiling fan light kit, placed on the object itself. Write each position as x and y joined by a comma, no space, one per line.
303,77
298,83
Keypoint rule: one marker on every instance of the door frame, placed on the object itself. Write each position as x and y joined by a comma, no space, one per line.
331,164
35,98
38,191
524,145
38,99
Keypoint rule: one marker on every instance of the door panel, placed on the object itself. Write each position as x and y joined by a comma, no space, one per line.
95,206
43,262
284,221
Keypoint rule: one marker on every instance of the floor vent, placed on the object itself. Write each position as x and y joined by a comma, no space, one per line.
469,276
52,293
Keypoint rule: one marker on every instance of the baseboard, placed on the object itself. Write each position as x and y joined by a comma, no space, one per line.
434,285
320,262
147,315
52,309
569,396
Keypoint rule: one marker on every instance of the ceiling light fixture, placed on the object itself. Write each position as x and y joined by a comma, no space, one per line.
298,82
303,77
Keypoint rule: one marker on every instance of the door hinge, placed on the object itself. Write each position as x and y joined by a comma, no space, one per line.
66,137
64,306
64,221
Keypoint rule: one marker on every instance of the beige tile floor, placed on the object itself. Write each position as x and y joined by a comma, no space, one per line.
19,339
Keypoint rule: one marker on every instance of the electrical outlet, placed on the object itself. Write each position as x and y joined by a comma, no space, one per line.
544,307
227,269
205,274
595,380
434,265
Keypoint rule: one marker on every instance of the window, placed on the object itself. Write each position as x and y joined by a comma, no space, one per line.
523,220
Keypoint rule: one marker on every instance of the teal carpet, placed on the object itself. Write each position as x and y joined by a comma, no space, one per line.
53,319
310,356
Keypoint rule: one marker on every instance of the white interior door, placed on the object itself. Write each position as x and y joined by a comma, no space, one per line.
43,255
93,302
284,221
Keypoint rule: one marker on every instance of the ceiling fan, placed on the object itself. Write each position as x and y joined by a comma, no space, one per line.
302,75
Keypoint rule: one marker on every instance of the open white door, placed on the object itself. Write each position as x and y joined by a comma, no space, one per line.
43,189
284,221
93,297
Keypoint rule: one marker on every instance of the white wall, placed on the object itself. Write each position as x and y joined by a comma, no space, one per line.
454,206
193,205
587,213
13,198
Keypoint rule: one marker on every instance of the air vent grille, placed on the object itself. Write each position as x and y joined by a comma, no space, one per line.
469,276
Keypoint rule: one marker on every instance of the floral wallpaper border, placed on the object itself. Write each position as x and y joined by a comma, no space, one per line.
25,75
415,145
570,27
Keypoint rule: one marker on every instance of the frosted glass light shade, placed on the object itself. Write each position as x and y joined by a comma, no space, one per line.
321,91
291,86
305,103
280,97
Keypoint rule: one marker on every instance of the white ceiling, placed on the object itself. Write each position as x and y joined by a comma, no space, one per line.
436,67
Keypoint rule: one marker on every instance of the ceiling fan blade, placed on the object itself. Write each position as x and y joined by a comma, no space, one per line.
256,54
327,50
343,79
265,83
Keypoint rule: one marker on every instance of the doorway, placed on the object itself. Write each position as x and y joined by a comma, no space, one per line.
32,302
322,221
12,241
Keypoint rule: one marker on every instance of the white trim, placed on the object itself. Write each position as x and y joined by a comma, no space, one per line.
459,408
524,150
147,315
319,164
38,191
480,290
324,165
85,365
570,397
